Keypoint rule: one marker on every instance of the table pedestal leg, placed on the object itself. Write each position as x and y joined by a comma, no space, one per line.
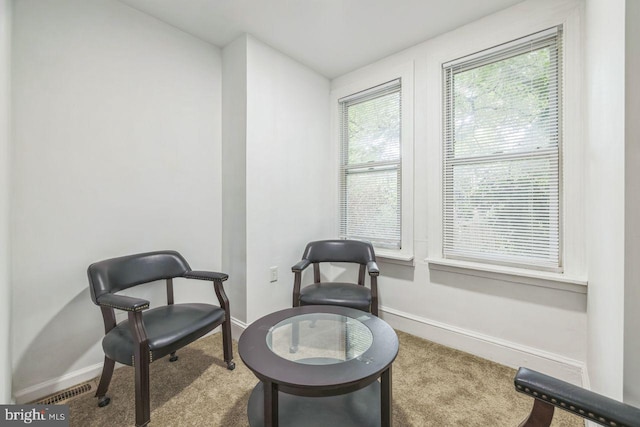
270,404
385,398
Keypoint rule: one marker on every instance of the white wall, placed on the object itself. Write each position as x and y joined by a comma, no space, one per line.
5,191
234,170
605,183
289,195
118,147
632,204
541,324
275,151
117,150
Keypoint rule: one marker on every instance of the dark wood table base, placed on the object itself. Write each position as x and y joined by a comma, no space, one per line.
352,392
357,409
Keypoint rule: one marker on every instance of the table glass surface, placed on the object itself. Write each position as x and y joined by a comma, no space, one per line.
322,338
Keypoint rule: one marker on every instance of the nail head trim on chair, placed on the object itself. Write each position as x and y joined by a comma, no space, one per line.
140,308
574,399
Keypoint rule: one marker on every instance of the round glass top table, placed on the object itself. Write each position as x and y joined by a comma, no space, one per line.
319,366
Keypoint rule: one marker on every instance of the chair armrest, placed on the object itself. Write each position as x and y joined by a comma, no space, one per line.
123,302
217,279
577,400
301,265
373,268
206,275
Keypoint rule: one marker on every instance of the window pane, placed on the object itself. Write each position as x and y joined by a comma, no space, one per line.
506,106
374,130
507,210
372,205
502,172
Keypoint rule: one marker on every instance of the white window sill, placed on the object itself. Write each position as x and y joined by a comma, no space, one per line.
394,257
509,274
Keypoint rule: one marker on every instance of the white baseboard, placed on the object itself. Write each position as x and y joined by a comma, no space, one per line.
586,383
500,351
38,391
495,349
237,327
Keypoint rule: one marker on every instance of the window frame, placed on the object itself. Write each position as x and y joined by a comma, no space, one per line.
370,168
573,253
514,48
405,74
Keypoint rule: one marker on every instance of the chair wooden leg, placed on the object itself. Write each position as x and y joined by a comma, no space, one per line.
141,360
143,404
105,380
374,305
227,344
540,416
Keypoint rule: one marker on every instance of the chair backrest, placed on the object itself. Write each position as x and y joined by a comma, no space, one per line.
115,274
355,251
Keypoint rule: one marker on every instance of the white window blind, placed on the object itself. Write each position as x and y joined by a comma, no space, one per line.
370,172
502,146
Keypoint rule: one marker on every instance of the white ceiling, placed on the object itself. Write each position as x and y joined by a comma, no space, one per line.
332,37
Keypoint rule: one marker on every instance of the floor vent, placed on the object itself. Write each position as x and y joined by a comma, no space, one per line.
68,394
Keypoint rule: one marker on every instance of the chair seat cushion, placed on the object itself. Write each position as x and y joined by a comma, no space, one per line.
168,328
335,293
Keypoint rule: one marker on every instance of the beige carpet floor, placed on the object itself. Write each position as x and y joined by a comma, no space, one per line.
432,386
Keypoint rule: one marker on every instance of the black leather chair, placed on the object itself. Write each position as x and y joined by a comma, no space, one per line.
354,295
150,334
551,393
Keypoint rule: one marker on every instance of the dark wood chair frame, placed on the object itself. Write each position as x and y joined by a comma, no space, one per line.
369,264
550,393
142,358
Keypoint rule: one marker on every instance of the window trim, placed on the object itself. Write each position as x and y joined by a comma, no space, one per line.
405,73
573,221
540,278
542,39
348,169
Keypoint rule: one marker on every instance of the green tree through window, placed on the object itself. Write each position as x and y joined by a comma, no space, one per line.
501,167
370,167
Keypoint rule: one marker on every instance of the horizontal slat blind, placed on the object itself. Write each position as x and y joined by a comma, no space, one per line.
502,165
370,203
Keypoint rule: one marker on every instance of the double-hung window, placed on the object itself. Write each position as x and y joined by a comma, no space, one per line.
502,154
371,167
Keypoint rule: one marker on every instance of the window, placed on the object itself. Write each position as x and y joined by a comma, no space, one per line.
371,166
502,154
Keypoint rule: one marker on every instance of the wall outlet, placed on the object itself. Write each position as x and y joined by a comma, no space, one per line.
274,274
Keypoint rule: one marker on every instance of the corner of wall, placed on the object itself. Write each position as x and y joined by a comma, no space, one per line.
234,186
5,193
631,391
605,193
